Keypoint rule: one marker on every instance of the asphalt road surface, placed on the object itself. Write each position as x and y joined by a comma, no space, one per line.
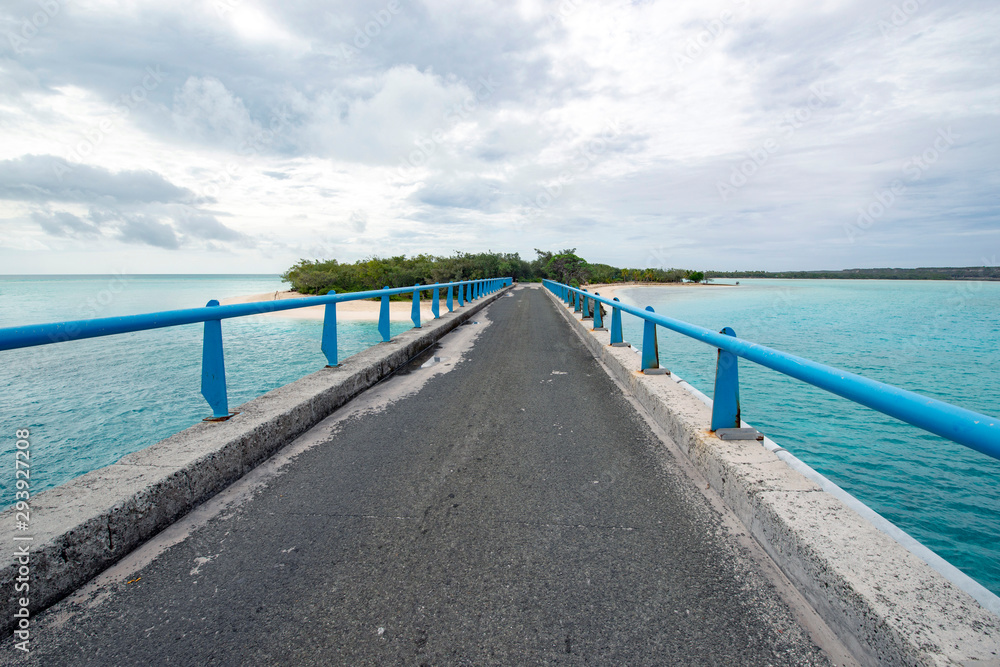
513,509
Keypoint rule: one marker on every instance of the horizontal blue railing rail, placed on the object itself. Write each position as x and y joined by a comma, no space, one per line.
972,429
213,378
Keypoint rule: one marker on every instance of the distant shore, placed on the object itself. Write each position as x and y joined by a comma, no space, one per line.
362,310
399,311
610,290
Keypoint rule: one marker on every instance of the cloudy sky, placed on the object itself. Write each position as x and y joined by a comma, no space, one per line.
241,135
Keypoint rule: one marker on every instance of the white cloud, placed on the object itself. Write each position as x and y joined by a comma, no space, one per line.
486,125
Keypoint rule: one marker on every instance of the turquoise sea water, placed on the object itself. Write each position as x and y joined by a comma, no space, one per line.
940,339
90,402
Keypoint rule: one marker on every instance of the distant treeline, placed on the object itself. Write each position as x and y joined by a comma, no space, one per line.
929,273
320,276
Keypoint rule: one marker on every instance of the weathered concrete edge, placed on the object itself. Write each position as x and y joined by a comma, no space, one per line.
980,593
886,605
82,527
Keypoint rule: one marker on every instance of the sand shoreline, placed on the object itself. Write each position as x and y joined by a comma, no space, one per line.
610,290
366,310
362,310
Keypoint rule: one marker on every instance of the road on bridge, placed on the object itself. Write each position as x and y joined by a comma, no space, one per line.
507,506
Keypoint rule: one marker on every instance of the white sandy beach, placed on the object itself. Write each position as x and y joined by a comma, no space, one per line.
362,310
610,290
399,311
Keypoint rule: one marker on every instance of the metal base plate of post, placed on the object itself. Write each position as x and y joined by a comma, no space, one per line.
656,371
222,419
739,434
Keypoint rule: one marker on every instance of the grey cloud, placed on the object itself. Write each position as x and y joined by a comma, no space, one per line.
276,174
65,224
204,109
220,88
146,230
206,226
49,178
359,221
469,194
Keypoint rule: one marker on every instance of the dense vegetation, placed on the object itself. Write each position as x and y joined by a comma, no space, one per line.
318,277
927,273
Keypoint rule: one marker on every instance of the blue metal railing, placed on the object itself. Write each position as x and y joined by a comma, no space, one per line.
972,429
213,370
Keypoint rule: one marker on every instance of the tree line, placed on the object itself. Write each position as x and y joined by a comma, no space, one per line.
321,276
924,273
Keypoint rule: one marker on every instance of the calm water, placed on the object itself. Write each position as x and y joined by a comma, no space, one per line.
90,402
941,339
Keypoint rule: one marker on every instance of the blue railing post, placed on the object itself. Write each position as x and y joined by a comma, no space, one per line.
576,302
616,326
650,353
598,320
383,317
726,401
451,298
415,309
468,291
328,343
213,368
586,306
461,295
435,304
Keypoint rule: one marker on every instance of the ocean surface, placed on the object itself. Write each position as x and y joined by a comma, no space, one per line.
940,339
88,403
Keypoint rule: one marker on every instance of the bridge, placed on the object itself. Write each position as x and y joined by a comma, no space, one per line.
500,486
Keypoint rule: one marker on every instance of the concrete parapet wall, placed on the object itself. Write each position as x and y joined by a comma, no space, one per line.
888,606
82,527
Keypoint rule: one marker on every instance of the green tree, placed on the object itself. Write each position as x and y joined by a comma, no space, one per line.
695,276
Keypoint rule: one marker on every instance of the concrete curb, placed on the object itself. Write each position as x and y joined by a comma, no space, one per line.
887,606
82,527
